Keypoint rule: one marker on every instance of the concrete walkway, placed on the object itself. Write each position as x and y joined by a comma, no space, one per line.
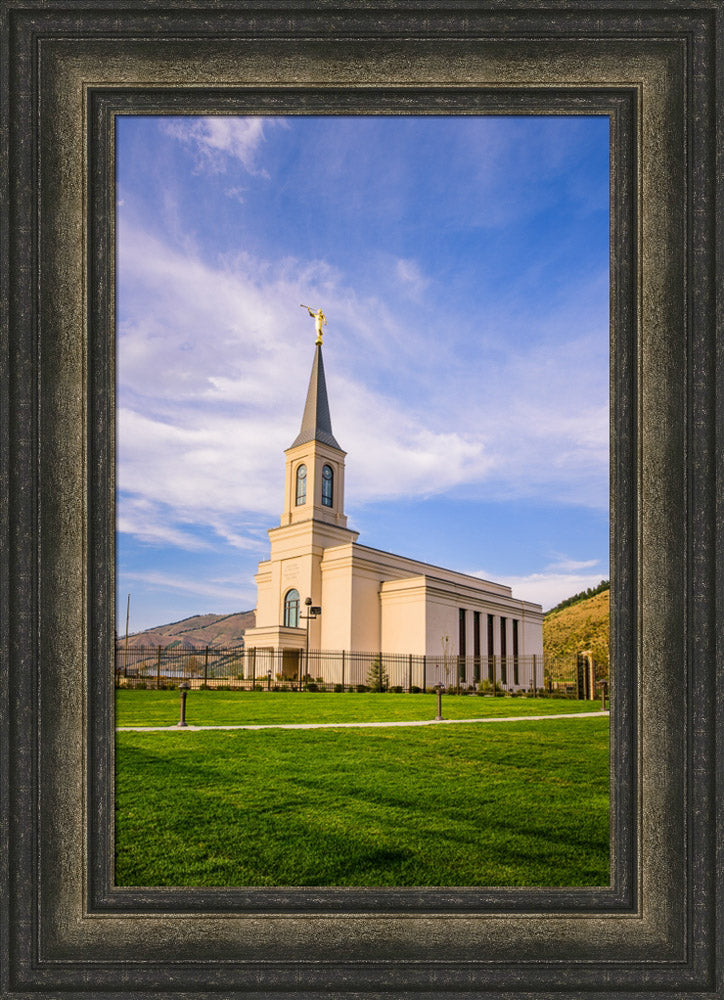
361,725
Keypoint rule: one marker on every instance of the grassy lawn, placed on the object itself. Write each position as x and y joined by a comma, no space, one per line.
229,708
524,803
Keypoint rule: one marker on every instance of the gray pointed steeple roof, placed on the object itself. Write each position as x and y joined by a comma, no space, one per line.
316,422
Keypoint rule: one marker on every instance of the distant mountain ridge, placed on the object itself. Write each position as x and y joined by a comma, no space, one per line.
196,632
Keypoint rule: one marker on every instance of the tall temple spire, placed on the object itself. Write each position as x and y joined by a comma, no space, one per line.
316,421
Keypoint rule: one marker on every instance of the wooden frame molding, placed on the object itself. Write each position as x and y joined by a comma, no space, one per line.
69,68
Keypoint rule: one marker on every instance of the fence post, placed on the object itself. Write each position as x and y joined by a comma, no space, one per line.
424,672
409,674
158,669
206,666
535,685
342,671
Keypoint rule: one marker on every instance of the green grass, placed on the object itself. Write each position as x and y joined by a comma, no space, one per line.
523,803
229,708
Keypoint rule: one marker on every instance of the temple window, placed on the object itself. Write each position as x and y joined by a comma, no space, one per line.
327,481
291,609
301,485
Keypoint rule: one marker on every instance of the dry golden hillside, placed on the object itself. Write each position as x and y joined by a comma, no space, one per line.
216,631
580,626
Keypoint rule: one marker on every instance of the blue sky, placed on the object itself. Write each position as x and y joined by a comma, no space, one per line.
462,264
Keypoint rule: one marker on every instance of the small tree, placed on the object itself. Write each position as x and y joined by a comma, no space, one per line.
192,667
377,679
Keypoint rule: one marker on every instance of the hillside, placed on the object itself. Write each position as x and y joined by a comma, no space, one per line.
196,632
573,629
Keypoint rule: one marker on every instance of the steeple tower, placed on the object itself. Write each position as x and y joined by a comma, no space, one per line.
316,422
315,462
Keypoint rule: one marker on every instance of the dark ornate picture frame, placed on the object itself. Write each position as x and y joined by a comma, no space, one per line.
69,67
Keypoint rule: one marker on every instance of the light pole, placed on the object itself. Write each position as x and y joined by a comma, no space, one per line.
125,647
439,689
184,689
312,613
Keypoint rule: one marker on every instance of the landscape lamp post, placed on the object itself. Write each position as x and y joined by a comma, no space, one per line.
438,688
312,613
184,689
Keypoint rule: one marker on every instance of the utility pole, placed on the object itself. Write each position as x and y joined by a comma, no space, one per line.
125,648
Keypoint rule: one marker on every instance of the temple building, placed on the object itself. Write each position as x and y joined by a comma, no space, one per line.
321,590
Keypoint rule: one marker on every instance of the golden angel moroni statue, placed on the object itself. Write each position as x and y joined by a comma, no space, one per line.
320,320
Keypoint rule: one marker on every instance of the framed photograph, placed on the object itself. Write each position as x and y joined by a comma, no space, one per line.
462,359
71,74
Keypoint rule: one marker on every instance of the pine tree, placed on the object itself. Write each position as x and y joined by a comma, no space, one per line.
377,679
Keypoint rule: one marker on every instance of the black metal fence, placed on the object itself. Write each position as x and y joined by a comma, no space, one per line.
324,670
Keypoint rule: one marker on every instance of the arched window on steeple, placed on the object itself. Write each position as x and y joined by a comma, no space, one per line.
301,483
327,484
291,609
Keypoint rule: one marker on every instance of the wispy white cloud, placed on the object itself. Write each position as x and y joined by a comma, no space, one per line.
219,589
395,451
237,193
509,183
552,584
409,274
214,361
217,139
155,524
567,565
